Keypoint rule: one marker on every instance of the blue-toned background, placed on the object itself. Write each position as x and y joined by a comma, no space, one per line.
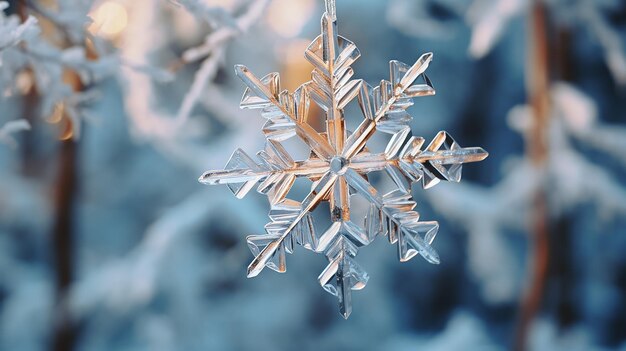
108,241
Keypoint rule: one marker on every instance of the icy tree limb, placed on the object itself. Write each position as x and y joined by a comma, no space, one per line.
487,213
579,113
488,21
609,139
609,39
413,18
131,281
12,33
203,76
156,125
10,128
214,46
242,25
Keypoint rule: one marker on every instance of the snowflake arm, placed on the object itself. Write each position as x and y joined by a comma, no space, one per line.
441,160
402,223
389,100
286,113
276,171
315,196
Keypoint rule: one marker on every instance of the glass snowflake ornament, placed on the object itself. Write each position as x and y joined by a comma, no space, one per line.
339,163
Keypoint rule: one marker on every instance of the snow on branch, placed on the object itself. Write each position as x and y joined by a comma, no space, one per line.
149,121
489,20
131,281
572,179
10,128
213,45
12,32
47,57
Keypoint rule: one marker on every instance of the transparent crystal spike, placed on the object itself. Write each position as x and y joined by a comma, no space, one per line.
241,174
314,197
340,162
277,261
417,238
424,89
396,142
340,277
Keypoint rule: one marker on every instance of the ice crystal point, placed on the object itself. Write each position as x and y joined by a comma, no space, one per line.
253,271
226,177
339,163
260,93
424,89
410,74
278,260
417,238
330,45
239,69
205,178
431,256
345,300
242,71
342,275
262,258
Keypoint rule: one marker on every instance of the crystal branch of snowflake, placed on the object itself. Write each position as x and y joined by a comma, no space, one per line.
339,163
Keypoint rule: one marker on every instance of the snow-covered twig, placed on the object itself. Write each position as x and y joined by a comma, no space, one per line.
213,45
489,19
573,180
129,282
150,123
12,32
10,128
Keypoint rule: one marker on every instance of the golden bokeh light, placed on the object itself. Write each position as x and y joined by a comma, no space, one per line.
57,113
288,17
24,81
68,130
293,51
109,19
295,69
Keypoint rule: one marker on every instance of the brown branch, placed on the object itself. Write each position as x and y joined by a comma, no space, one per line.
538,88
63,244
63,329
63,235
562,271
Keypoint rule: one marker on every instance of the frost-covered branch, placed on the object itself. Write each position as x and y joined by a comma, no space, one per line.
489,21
12,32
46,56
150,123
572,178
10,128
214,46
131,281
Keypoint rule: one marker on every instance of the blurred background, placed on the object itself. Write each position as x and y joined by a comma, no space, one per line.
111,109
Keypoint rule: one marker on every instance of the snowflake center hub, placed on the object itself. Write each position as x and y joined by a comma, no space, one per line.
338,165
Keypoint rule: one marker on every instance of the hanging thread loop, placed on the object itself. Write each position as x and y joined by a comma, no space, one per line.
331,9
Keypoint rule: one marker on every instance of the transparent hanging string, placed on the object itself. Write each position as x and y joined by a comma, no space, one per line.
331,9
